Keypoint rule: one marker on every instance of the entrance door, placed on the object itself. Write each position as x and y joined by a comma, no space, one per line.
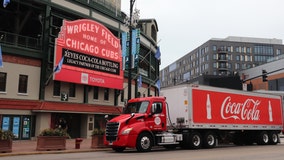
26,129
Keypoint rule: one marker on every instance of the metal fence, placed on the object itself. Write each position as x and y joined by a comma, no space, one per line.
21,41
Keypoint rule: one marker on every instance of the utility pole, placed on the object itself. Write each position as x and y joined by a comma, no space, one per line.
130,50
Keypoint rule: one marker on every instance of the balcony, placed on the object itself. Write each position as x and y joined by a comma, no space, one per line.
222,55
21,41
222,66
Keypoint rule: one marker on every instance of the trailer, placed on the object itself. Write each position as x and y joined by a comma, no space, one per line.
195,116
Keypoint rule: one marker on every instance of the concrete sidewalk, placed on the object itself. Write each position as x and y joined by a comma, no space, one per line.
25,147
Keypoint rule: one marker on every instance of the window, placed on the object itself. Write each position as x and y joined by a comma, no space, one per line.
237,49
72,90
23,84
229,49
215,56
248,50
242,57
3,81
237,66
229,65
56,88
153,32
263,50
122,95
243,49
229,57
278,51
106,94
237,57
214,48
158,106
96,93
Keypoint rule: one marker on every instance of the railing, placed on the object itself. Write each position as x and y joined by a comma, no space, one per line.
102,5
21,41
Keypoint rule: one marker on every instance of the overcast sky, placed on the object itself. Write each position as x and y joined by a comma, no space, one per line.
186,24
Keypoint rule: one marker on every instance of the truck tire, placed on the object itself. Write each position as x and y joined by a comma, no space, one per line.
185,143
195,140
144,142
209,139
118,149
273,138
262,138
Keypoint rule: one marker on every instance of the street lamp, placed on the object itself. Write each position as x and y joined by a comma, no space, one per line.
132,22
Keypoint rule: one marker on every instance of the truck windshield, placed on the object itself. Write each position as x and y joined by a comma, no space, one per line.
138,107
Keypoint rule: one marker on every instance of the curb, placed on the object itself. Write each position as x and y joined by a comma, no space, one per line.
53,152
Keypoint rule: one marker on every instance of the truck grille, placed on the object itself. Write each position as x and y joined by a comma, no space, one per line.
112,131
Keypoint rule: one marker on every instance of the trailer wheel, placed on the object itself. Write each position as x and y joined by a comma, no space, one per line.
118,149
195,140
263,138
273,138
209,140
144,142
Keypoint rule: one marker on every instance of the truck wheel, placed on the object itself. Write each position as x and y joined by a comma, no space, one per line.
273,138
144,142
209,140
263,138
185,143
118,149
195,140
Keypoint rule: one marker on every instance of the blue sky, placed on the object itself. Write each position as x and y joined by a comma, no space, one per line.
186,24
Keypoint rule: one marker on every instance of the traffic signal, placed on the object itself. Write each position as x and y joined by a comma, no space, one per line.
264,76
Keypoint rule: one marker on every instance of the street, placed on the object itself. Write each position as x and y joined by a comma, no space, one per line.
224,152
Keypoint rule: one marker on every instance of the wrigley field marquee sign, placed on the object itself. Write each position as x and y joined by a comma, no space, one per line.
91,55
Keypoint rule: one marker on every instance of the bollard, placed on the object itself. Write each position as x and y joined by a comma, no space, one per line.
78,142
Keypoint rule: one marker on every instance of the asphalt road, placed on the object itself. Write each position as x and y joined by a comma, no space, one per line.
225,152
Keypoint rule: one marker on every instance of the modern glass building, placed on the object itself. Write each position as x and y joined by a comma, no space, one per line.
221,57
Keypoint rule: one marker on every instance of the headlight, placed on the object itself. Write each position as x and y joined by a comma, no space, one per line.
126,131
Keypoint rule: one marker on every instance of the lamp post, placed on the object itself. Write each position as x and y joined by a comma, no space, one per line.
130,25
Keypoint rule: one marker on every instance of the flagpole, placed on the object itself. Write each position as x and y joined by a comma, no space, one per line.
55,70
47,81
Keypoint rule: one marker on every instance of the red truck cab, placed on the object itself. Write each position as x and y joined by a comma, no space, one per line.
135,128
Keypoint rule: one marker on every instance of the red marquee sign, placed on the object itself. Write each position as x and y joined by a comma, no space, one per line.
92,55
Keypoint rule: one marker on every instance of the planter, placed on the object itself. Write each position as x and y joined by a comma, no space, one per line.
47,143
97,141
6,146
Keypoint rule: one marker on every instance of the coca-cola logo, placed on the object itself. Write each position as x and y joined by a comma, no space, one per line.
247,110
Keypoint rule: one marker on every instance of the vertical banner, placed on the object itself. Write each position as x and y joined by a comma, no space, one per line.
5,123
16,127
1,59
124,48
135,44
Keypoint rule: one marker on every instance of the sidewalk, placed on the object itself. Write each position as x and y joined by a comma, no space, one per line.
24,147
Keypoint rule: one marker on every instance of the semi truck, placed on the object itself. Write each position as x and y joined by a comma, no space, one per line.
194,117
